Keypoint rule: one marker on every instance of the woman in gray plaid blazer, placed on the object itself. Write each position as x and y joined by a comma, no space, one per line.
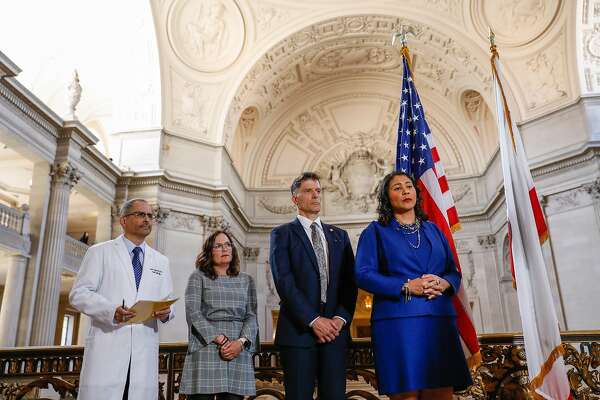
220,307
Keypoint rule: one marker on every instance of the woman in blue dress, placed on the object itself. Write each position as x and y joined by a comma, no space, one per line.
406,263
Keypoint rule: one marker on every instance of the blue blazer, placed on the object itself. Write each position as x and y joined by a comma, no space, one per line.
384,262
296,276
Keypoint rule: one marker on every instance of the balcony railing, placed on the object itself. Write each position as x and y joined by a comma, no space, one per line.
14,229
74,252
502,374
15,219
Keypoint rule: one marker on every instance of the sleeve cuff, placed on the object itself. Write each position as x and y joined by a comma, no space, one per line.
342,319
311,323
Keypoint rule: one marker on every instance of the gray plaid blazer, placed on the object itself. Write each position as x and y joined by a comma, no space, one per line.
225,305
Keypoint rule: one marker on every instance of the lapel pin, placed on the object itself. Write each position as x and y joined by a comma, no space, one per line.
330,229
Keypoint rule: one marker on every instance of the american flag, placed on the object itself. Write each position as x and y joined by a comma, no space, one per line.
417,156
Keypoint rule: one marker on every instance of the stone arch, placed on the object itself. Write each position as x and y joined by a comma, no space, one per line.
341,50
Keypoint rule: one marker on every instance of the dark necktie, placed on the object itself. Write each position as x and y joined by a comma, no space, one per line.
320,253
137,266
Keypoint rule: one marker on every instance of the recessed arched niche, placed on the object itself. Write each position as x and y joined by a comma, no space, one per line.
480,122
245,136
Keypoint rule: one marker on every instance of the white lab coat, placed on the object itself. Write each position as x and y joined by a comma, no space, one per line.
104,280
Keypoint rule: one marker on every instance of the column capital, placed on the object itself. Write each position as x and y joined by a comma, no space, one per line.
64,172
251,253
214,222
160,214
487,242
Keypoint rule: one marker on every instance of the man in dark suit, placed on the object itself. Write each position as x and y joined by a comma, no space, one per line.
312,265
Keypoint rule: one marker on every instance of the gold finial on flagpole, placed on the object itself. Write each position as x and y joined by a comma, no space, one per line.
492,38
402,36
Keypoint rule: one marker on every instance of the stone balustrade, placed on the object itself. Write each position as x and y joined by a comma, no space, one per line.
74,252
15,219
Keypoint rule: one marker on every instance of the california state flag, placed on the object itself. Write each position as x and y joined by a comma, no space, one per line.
527,231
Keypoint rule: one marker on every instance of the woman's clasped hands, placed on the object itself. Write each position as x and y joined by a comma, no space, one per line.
428,285
228,349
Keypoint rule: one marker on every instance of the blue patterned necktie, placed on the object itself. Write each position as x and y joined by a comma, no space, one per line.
320,253
137,266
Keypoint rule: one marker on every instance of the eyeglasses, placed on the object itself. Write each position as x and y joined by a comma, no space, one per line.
222,246
141,214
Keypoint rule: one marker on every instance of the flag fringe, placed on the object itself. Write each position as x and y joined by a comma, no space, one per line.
474,361
557,352
456,227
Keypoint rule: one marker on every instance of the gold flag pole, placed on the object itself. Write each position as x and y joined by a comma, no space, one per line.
494,56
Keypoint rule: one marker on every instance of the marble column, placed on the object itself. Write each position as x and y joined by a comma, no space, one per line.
11,300
64,177
39,196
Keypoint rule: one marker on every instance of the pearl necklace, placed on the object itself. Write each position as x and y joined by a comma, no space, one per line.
411,229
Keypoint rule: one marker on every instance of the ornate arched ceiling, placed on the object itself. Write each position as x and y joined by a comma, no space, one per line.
296,82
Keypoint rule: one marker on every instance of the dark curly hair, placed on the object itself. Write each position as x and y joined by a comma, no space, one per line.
384,206
204,261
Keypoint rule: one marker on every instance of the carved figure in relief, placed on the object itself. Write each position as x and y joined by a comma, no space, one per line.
514,15
543,81
191,108
208,31
335,176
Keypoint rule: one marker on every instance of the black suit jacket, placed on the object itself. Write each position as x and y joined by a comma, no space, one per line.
296,276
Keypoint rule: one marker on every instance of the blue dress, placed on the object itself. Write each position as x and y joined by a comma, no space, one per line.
416,343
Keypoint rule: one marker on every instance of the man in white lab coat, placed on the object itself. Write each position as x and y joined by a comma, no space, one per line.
121,360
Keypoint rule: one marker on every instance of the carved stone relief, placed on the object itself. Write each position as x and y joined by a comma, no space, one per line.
515,22
206,35
190,105
545,73
354,181
183,222
269,17
463,194
579,197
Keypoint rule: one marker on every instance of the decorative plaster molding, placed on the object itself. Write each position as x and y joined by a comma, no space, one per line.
278,209
22,107
354,45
